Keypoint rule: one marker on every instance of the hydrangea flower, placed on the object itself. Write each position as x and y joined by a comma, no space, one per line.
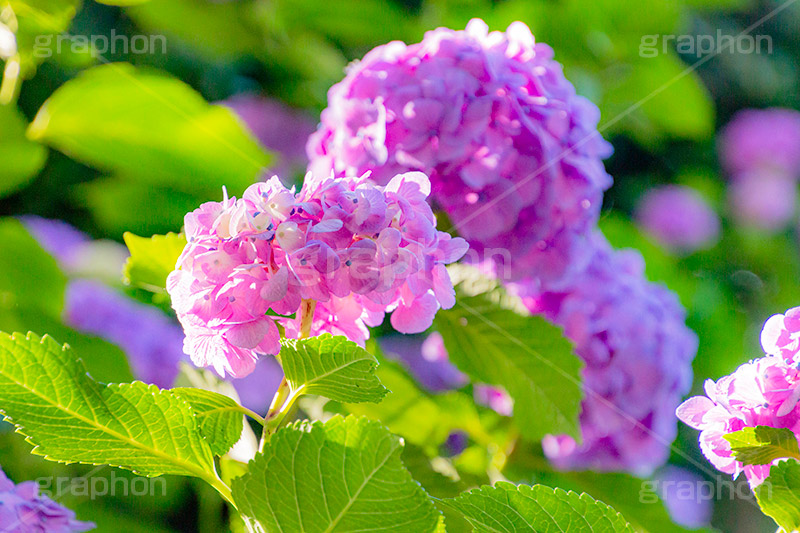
513,154
278,127
153,343
762,392
679,218
763,199
356,249
637,350
762,139
24,510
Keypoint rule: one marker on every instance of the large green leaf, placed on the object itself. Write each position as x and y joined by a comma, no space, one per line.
152,259
779,495
221,418
343,475
761,445
490,336
150,127
21,158
329,366
68,417
515,509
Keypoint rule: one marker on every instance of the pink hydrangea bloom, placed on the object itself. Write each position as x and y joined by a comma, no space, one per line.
357,249
513,153
764,199
495,398
637,352
24,510
762,392
762,139
679,218
781,335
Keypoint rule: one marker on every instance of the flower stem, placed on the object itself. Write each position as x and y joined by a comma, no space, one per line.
285,397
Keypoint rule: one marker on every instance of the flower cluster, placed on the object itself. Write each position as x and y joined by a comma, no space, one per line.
632,337
356,249
762,392
679,218
24,510
760,150
513,153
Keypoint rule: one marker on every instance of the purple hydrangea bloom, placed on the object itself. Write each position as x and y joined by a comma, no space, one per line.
679,218
356,249
763,392
513,154
426,359
757,139
153,343
24,510
680,490
278,127
638,352
763,199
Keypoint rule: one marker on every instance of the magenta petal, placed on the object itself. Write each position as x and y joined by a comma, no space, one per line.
416,317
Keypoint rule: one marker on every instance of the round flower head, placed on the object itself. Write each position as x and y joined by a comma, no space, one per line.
356,249
513,153
24,510
757,139
764,199
679,218
637,352
763,392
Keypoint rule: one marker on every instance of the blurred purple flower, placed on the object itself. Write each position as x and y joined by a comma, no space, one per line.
153,343
426,360
679,218
681,491
495,398
513,153
283,130
762,139
61,240
24,510
764,199
638,354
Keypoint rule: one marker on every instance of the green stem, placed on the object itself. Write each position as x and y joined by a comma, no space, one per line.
223,489
285,397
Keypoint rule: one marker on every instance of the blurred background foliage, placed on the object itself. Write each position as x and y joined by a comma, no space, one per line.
117,141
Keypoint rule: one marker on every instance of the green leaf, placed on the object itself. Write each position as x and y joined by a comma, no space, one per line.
151,128
22,159
761,445
221,418
343,475
490,336
329,366
152,259
68,417
507,507
778,495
